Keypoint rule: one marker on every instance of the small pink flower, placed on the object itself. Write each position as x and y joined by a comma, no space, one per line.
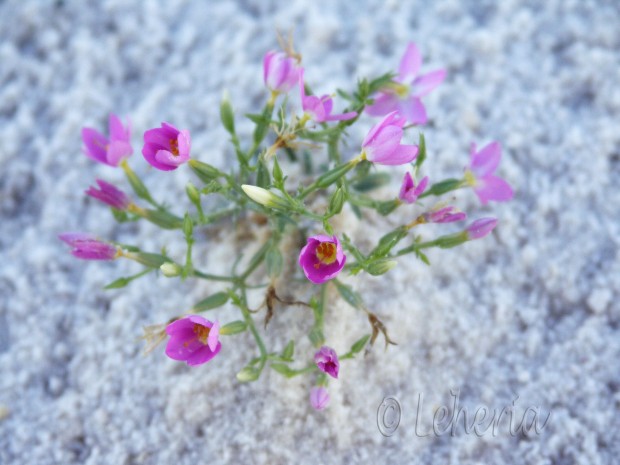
382,144
409,192
444,215
166,147
319,109
193,339
88,247
479,174
319,397
405,94
110,195
280,72
327,361
322,258
481,228
110,151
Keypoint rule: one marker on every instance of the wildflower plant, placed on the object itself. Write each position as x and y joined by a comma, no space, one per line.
295,127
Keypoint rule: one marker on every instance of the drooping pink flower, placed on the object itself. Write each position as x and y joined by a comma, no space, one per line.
319,397
110,151
444,215
166,147
327,361
322,258
88,247
480,228
110,195
280,71
405,93
320,109
409,192
382,144
479,174
193,339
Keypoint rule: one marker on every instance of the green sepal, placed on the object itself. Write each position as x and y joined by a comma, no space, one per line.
234,327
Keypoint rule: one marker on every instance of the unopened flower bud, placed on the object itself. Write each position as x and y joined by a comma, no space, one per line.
170,270
265,197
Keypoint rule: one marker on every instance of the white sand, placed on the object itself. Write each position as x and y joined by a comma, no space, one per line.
531,311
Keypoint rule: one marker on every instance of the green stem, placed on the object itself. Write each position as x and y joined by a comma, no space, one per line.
213,277
250,322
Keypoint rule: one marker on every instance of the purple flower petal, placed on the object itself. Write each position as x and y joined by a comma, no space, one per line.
118,132
383,104
399,156
95,145
319,397
413,110
485,161
410,63
493,188
481,227
427,82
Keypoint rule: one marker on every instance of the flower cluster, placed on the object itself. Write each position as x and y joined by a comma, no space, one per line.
259,187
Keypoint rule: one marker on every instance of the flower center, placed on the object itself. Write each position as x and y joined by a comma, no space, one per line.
326,253
174,147
470,179
401,90
202,332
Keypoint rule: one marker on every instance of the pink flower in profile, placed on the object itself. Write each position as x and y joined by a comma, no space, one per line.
444,215
319,397
382,144
480,228
166,147
110,195
405,93
88,247
480,174
327,361
322,258
280,72
320,109
193,339
110,151
409,192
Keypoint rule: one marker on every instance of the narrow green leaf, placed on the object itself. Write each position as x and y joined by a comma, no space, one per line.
360,344
216,300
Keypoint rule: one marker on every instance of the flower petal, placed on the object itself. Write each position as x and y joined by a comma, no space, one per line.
413,110
410,63
493,188
384,103
95,144
485,161
427,82
399,156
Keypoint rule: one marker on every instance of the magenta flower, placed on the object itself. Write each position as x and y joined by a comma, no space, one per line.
319,397
88,247
110,195
327,361
479,174
166,147
320,109
405,93
110,151
382,144
280,72
409,192
480,228
322,258
444,215
193,339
